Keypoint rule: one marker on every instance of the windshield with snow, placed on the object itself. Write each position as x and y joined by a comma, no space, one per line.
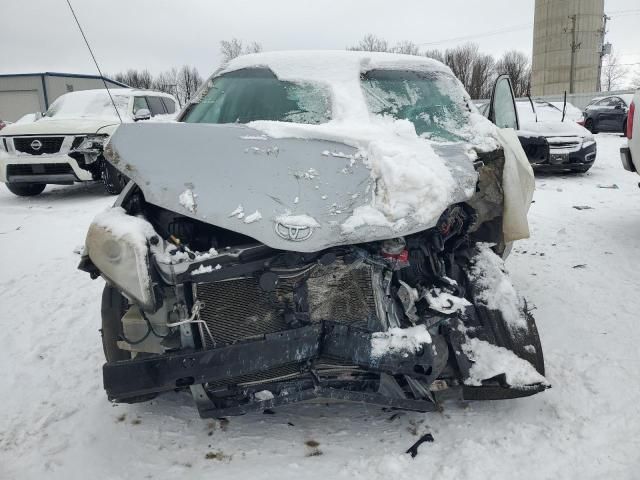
87,104
252,94
432,101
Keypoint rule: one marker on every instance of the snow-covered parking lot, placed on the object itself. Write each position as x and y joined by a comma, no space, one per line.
580,271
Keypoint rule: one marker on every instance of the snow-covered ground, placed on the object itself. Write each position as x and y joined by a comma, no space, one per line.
580,270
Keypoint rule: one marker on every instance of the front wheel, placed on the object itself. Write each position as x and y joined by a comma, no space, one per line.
26,189
113,180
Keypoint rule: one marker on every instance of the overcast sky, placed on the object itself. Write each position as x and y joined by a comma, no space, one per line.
158,34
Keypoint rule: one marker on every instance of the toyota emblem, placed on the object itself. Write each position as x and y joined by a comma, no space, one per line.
293,233
36,145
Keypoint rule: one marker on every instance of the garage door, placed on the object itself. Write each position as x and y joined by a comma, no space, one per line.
15,103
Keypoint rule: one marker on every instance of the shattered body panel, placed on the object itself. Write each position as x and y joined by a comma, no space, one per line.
234,168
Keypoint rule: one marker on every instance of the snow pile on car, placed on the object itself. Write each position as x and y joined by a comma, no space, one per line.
411,180
497,292
399,340
490,360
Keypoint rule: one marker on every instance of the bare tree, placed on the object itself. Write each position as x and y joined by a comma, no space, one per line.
371,43
230,49
167,81
435,54
482,76
135,78
406,47
516,64
612,72
188,82
635,81
460,60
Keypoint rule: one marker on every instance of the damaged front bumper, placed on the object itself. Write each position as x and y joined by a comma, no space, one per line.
308,348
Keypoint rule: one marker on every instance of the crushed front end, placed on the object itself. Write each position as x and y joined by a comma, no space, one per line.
406,322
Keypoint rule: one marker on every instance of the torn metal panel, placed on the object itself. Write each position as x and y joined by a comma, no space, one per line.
290,194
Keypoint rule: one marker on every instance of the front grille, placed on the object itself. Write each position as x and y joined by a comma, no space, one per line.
30,144
239,309
564,145
39,169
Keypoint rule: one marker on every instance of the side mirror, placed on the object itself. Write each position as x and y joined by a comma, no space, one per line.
142,114
618,107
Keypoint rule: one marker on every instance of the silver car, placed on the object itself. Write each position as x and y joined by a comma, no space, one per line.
318,225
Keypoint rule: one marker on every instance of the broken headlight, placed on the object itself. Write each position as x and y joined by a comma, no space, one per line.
123,257
92,144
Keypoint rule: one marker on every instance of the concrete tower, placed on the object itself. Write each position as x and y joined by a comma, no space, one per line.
567,41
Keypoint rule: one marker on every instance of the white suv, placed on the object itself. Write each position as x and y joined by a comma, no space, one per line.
65,145
631,154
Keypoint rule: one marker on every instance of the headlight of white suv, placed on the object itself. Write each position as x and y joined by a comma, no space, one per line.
117,244
92,144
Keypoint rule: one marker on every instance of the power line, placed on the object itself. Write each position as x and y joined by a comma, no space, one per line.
94,59
622,13
479,35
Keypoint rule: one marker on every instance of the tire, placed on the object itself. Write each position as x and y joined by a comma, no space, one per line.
582,169
26,189
113,308
112,179
589,126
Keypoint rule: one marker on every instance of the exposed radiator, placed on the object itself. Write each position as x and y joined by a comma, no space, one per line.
240,309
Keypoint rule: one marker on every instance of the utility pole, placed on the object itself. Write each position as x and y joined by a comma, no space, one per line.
604,50
574,48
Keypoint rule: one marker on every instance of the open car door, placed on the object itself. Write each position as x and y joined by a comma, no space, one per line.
502,108
518,181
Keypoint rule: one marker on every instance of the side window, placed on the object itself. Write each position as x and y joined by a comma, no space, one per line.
157,107
618,103
606,102
504,109
169,104
140,103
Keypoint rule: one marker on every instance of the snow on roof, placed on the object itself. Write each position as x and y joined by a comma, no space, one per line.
337,69
96,103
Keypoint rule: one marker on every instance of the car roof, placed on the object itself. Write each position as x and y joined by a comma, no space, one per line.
133,92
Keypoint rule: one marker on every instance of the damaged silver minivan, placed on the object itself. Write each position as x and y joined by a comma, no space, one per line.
318,225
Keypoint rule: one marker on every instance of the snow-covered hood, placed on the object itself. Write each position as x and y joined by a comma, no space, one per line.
289,193
46,126
553,129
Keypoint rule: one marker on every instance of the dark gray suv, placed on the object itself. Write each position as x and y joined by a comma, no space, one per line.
607,114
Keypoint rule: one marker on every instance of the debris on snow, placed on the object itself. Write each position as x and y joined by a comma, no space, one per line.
413,449
582,207
613,186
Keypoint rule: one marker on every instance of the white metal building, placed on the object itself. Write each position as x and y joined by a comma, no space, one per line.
24,93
